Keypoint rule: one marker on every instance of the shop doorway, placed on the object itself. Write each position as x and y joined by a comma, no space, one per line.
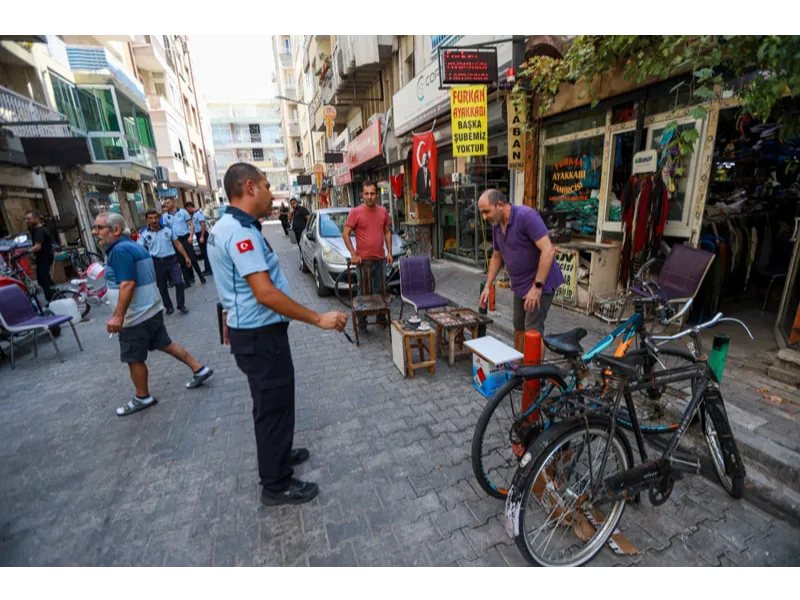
749,224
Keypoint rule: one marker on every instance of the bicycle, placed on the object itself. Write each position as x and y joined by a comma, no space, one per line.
84,296
343,284
506,427
576,477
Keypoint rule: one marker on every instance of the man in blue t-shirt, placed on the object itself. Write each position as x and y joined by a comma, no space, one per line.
139,314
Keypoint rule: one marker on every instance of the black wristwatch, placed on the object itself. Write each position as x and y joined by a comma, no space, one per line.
539,285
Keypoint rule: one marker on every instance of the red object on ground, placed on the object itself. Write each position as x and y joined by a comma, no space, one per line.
532,355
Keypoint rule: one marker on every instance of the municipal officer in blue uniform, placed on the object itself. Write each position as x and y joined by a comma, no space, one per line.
255,298
161,243
180,221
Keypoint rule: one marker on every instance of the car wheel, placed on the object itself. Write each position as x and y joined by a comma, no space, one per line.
303,266
322,291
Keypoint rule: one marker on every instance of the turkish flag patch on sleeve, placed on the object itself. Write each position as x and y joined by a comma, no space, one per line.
245,246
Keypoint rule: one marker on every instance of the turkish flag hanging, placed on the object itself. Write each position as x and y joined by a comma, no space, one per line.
423,168
397,185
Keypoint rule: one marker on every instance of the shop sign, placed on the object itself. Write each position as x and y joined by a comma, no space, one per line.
568,260
424,168
422,99
469,121
645,162
516,138
567,180
342,174
366,146
319,171
328,115
465,66
168,193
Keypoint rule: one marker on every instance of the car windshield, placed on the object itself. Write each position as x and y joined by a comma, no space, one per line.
331,225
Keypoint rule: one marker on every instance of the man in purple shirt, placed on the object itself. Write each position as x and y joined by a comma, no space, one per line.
520,241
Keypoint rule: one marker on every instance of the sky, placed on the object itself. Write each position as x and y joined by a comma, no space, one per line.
231,67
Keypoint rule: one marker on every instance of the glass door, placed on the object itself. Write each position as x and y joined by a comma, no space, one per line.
448,233
466,207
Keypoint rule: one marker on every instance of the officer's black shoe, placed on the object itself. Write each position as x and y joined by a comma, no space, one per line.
298,456
183,310
170,311
298,492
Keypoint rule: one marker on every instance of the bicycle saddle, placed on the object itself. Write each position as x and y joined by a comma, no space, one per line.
567,343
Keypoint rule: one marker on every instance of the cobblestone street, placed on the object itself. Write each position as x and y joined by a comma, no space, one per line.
177,484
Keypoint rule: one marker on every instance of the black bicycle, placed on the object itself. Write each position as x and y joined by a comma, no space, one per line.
573,481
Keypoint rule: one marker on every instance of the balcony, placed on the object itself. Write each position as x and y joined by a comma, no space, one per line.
96,64
45,135
357,64
150,54
250,141
293,129
285,58
295,163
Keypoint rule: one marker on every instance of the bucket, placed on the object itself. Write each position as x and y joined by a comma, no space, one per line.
95,271
67,306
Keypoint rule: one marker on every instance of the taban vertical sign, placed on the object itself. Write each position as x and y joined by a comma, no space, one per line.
516,138
468,113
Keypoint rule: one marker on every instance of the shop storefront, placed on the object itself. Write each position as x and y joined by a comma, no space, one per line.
733,196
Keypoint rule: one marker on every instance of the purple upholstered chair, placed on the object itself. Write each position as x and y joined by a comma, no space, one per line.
17,317
682,274
417,285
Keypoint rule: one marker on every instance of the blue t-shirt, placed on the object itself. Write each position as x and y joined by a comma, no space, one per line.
128,261
198,218
160,244
179,222
237,248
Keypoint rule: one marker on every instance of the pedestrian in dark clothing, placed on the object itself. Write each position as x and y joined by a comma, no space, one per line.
42,249
300,217
284,218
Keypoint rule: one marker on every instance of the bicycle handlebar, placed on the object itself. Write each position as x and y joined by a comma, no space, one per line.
718,318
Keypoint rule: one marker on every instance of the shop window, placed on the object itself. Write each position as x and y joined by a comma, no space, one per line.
572,175
677,197
622,113
669,101
591,120
621,171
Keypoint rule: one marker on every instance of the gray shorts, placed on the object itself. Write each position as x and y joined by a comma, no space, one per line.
528,321
136,341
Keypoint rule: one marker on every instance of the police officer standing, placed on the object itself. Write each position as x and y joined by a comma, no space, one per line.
161,243
180,221
258,309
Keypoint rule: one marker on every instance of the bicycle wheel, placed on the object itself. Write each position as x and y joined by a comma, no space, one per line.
342,288
660,408
499,440
94,257
723,448
555,521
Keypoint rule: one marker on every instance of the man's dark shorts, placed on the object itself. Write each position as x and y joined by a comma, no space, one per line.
136,341
528,321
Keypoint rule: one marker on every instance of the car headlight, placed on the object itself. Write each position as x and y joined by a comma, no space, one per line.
333,257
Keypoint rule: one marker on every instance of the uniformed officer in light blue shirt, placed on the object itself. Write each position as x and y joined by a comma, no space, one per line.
162,243
201,233
180,221
255,299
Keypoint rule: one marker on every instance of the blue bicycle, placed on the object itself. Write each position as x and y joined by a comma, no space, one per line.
506,427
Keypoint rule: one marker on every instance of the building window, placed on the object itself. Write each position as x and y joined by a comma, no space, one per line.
107,148
255,133
97,108
67,101
161,90
258,154
182,151
298,148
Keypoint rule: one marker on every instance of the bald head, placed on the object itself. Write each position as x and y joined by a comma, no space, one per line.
494,207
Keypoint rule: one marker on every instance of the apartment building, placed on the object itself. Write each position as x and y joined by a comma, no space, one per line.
164,67
286,83
250,131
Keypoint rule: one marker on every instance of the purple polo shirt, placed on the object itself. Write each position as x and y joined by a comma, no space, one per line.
520,254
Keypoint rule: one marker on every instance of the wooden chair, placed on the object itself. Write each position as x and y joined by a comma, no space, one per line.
369,301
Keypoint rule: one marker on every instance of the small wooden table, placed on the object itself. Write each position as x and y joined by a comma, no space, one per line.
451,326
404,342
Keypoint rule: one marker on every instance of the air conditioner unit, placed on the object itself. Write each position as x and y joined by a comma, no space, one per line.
161,174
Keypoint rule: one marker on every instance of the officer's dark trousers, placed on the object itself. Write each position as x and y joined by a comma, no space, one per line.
264,355
168,269
186,242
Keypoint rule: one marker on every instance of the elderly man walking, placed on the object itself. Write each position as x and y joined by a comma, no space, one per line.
520,240
139,314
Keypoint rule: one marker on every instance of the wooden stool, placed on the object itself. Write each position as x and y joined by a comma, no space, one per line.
405,342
